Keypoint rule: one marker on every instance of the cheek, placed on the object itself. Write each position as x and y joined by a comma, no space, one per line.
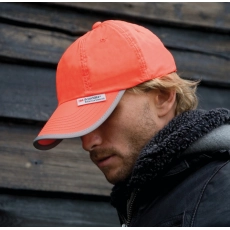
130,129
122,133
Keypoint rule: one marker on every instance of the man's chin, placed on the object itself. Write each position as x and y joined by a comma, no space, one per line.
115,178
111,174
112,180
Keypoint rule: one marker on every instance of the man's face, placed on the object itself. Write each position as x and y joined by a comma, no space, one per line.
115,145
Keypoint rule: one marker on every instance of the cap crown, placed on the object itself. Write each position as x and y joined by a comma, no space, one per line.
115,55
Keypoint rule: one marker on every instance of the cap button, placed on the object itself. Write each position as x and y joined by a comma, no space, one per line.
95,25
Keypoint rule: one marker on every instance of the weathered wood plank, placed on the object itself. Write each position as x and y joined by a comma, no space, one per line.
31,210
39,15
32,45
66,168
193,41
28,92
215,15
208,68
211,98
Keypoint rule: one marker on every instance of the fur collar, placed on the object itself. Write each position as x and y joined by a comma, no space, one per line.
169,145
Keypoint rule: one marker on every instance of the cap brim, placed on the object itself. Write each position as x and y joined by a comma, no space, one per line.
70,120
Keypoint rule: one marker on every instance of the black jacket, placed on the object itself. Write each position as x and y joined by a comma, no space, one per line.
182,176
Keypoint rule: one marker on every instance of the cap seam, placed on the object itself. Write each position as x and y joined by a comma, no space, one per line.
134,45
84,66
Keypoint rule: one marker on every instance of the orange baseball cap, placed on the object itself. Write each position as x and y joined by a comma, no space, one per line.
94,72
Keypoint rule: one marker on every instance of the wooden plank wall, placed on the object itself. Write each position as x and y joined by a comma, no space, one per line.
61,187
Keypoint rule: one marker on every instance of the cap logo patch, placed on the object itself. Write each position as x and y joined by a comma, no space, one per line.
91,99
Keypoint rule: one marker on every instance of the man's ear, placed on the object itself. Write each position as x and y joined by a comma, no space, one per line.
165,102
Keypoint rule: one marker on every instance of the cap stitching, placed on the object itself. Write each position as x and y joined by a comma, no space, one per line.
133,44
84,66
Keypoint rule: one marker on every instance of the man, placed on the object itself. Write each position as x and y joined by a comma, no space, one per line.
118,90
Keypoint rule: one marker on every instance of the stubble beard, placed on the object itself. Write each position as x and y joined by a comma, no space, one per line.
138,137
124,170
136,143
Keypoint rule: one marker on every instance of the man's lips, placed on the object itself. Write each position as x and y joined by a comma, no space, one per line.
104,161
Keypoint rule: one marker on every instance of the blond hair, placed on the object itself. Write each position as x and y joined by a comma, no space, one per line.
185,90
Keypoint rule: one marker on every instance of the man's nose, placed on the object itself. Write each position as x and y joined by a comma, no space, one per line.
91,140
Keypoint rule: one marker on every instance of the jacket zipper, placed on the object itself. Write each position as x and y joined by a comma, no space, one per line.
130,204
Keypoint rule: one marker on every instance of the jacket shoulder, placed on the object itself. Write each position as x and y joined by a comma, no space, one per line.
212,207
198,197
